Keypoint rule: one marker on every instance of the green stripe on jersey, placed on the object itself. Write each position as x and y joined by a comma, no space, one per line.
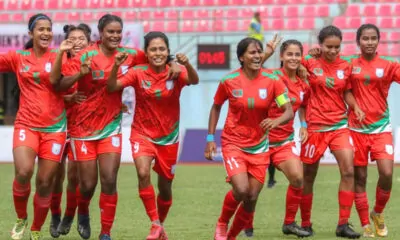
23,52
113,128
127,50
349,58
380,126
262,147
336,126
90,53
283,142
60,126
230,76
271,76
170,139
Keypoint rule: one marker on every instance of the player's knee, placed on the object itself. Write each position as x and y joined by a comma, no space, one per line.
241,193
386,174
297,181
44,185
87,186
143,174
348,174
24,175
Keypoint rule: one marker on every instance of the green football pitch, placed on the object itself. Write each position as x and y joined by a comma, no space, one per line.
198,192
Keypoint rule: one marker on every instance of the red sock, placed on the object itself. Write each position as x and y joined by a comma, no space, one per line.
83,203
108,207
305,209
21,194
55,205
346,199
71,205
240,220
229,208
149,201
361,201
382,197
163,208
293,199
249,224
41,207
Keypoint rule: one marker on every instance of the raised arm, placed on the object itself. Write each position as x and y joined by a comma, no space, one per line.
192,77
113,84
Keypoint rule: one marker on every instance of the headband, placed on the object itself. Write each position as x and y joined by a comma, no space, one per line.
41,17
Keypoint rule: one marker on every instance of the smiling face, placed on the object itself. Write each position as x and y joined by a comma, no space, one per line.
78,36
251,58
368,41
291,57
111,35
330,48
42,34
157,52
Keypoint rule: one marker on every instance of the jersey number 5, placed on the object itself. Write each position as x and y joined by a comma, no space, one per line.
22,135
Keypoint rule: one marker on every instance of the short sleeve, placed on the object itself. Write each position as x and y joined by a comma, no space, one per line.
130,78
395,72
306,96
280,93
305,61
348,79
71,67
221,95
8,62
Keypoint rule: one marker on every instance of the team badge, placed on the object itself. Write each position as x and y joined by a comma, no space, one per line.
318,71
115,141
262,93
24,68
48,67
169,84
340,74
237,93
124,69
301,95
56,149
389,149
379,72
356,70
146,84
97,74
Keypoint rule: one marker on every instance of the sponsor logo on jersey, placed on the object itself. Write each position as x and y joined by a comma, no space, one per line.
48,67
24,68
262,93
56,149
124,69
356,70
169,84
318,71
237,93
146,84
379,72
98,74
340,74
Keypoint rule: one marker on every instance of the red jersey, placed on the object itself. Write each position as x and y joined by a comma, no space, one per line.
157,107
99,116
296,91
326,109
41,108
249,102
370,82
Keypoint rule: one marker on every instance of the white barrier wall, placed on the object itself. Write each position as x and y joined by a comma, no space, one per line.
6,136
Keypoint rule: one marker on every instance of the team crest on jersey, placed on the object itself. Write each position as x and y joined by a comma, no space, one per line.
24,68
389,149
146,84
124,69
56,149
48,67
379,72
301,95
115,141
262,93
169,84
340,74
98,74
237,93
318,71
356,70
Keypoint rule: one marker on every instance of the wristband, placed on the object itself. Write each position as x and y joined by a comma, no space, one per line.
210,138
303,124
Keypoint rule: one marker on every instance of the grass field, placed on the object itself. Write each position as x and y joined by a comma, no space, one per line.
198,194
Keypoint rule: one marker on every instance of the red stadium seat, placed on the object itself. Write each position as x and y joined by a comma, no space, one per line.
232,13
52,4
232,26
218,25
238,2
395,50
202,14
2,4
165,3
310,10
246,13
263,12
187,14
146,26
26,5
82,5
109,4
278,24
323,11
145,15
386,23
369,10
12,5
245,25
222,3
138,3
124,3
394,36
4,17
68,4
74,17
264,23
159,15
203,26
354,23
149,3
93,4
218,14
17,17
349,36
172,26
384,37
349,49
253,2
267,2
385,10
397,23
292,24
29,15
39,5
172,14
371,20
383,49
292,11
157,26
119,14
340,22
188,26
396,11
308,23
277,12
59,17
130,16
209,2
353,10
180,3
88,17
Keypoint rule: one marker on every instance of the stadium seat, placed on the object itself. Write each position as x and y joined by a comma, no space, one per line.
263,12
310,10
2,4
238,2
340,22
218,13
323,11
371,20
369,10
172,26
264,23
349,36
29,15
203,26
383,49
159,15
385,10
94,4
59,17
187,14
187,26
292,11
26,5
151,3
308,23
17,17
384,36
172,14
39,5
253,2
53,4
278,24
232,25
353,10
394,36
292,24
395,50
123,3
354,23
109,4
222,2
349,49
209,2
396,11
88,17
386,22
246,13
164,3
397,23
130,16
138,3
245,25
145,15
180,3
202,14
4,17
277,12
74,17
232,13
157,26
68,4
118,13
146,26
12,5
267,2
218,25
